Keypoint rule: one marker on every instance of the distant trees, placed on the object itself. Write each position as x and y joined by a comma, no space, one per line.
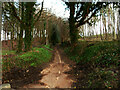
81,13
48,25
118,23
9,26
108,15
25,16
24,19
104,24
107,24
64,29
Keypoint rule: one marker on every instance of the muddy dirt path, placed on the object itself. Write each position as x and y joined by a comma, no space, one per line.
54,76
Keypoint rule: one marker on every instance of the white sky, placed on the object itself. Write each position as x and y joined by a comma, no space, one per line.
57,7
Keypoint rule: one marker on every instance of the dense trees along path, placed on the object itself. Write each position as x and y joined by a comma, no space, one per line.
54,76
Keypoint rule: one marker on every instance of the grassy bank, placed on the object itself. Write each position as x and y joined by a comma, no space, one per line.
24,68
97,62
34,58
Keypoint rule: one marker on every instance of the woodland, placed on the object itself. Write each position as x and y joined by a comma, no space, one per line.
42,50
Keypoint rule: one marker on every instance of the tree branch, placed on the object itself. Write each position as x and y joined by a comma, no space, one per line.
14,13
37,16
81,22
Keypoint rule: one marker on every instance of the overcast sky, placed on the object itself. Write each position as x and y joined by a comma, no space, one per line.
57,7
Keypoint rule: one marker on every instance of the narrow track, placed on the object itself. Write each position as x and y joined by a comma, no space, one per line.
54,76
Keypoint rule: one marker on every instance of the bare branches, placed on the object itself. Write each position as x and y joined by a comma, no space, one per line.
37,16
93,10
14,13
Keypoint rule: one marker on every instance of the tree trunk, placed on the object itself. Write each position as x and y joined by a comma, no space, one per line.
43,36
5,34
101,29
29,25
37,33
113,24
106,37
12,38
47,42
119,44
28,38
119,28
40,35
73,28
20,40
43,39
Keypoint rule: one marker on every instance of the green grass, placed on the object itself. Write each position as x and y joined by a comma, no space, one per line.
8,52
48,47
34,58
101,53
100,58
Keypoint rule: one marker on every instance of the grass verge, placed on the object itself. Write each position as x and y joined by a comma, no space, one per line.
24,68
97,62
33,58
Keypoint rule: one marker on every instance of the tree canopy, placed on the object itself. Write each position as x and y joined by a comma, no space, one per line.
81,13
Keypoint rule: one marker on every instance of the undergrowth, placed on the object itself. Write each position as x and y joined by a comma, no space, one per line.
33,58
99,61
101,53
8,52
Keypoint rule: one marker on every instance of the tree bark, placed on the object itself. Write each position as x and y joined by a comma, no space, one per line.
12,38
101,28
113,24
119,27
106,36
29,25
47,41
28,38
20,40
40,35
5,35
73,28
119,44
43,34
